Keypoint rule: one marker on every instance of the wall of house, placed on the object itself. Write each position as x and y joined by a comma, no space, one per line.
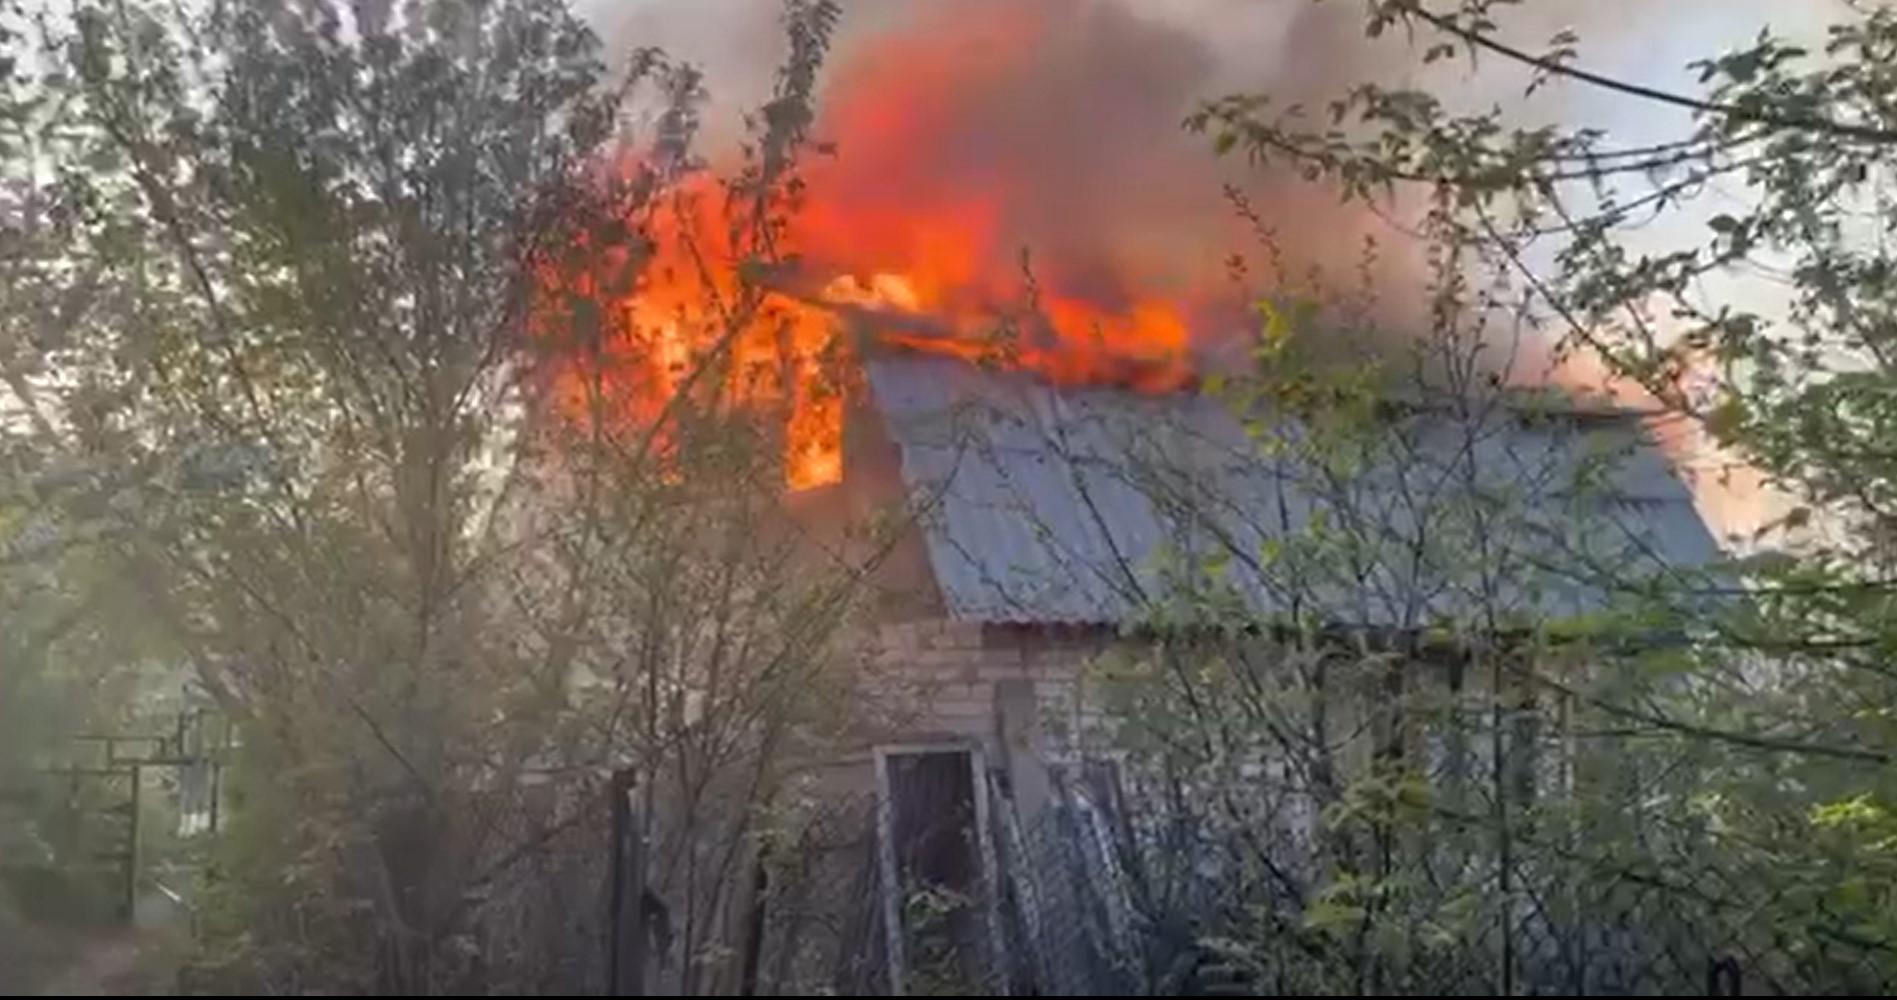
1010,691
957,679
873,494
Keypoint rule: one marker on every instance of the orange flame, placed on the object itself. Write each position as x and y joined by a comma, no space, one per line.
904,218
688,338
907,199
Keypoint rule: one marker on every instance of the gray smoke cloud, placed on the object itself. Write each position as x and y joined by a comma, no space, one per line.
1081,139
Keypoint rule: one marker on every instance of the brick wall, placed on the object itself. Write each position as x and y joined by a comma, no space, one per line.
943,676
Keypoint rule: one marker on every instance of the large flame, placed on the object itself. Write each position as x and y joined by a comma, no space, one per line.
968,132
689,338
984,186
944,182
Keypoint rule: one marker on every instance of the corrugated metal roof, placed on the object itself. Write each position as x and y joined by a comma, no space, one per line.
1098,505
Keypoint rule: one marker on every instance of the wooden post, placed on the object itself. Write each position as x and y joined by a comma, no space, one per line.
891,876
754,928
990,876
640,932
131,846
625,975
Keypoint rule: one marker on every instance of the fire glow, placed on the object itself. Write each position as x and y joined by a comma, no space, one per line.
925,212
966,132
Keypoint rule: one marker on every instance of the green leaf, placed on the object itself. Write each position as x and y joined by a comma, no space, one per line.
1727,419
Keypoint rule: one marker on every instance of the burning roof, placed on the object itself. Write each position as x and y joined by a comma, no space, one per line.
966,134
966,131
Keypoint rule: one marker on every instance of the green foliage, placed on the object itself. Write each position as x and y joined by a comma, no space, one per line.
1770,696
300,283
938,964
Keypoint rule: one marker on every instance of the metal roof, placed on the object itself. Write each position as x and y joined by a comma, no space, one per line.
1050,505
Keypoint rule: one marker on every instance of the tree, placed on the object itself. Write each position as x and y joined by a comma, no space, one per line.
340,399
1345,719
1778,703
70,661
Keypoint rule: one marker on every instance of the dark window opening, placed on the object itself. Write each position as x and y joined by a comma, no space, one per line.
937,861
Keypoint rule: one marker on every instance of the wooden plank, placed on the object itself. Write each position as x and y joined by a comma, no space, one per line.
131,849
891,876
636,862
991,877
625,974
754,928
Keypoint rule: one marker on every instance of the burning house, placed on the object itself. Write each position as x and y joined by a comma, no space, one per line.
1069,496
1054,526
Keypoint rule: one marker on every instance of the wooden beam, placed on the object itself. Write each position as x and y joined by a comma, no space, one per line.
131,849
891,881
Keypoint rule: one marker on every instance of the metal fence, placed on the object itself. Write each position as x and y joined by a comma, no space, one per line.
1103,896
541,920
1121,884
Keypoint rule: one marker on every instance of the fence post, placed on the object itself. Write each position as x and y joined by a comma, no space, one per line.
998,964
132,845
890,878
754,928
625,975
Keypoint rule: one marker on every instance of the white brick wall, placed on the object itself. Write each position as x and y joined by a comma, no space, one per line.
944,673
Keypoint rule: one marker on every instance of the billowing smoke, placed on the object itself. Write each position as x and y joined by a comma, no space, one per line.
971,131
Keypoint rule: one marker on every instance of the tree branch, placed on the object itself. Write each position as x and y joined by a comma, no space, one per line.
1808,123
